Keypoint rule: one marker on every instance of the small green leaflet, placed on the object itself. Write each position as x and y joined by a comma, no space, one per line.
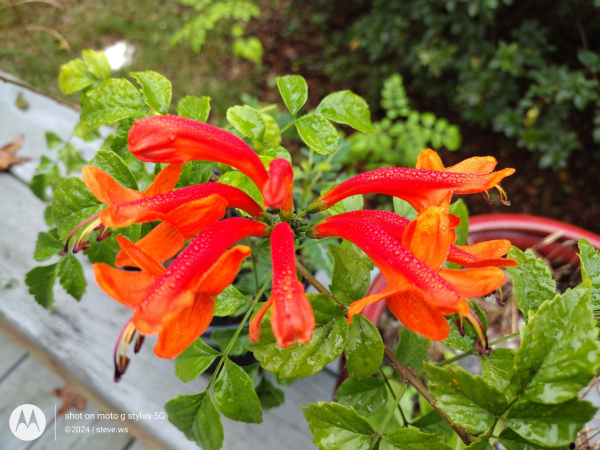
112,164
554,367
71,158
114,100
412,348
52,140
235,396
194,172
532,281
351,274
468,400
71,277
410,438
433,423
40,281
336,427
459,209
97,64
74,77
229,301
197,417
270,396
316,132
512,441
294,92
365,395
194,360
196,108
590,268
271,135
466,342
347,108
403,208
247,121
223,336
47,245
497,368
364,351
156,90
241,181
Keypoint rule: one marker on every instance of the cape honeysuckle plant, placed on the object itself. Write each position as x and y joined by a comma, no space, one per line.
220,228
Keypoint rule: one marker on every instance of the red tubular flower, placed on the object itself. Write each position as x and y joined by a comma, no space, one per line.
420,187
172,139
177,302
292,318
279,190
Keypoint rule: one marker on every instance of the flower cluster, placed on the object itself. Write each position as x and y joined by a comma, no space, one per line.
177,302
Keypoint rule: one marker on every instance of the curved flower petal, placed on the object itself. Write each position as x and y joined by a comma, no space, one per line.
172,139
162,243
128,288
471,283
428,237
279,190
141,259
165,181
106,189
223,272
488,253
429,160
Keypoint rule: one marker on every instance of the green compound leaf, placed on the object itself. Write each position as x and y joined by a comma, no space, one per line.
549,425
410,438
459,209
551,367
194,172
512,441
196,108
97,64
467,342
412,348
229,301
364,351
433,423
74,76
156,90
194,360
112,101
72,159
247,121
365,395
497,368
72,203
197,417
223,336
303,360
483,443
348,108
242,182
532,281
270,396
351,275
468,400
590,268
405,209
335,427
235,396
40,281
47,245
72,279
316,132
112,164
294,92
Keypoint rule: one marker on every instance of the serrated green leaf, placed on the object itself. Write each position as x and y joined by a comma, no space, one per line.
156,90
412,348
119,144
532,281
467,342
405,209
364,351
459,209
365,395
71,277
549,425
348,108
590,268
294,92
229,301
40,281
468,400
483,443
194,360
275,151
283,381
47,245
235,396
97,64
72,203
112,164
316,132
195,172
410,438
223,336
241,181
247,121
351,275
512,441
196,108
551,367
253,371
112,101
496,369
335,427
52,140
38,186
270,396
433,423
303,360
197,417
71,158
74,77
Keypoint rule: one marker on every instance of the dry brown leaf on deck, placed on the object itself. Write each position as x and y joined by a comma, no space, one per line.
71,399
7,154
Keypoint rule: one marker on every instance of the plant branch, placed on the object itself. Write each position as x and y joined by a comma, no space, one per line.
38,91
410,377
318,286
389,386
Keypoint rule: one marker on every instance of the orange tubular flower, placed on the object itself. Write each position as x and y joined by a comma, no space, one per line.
279,190
292,316
173,139
177,303
420,187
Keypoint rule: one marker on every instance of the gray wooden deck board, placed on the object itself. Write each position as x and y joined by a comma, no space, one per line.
76,340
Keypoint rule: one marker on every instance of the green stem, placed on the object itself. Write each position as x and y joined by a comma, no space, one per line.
389,386
253,257
472,351
278,134
388,417
321,241
238,331
307,185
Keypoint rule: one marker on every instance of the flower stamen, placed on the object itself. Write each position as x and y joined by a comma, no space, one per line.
482,340
121,359
79,245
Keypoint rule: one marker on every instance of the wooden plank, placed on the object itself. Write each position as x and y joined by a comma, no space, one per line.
11,354
137,445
